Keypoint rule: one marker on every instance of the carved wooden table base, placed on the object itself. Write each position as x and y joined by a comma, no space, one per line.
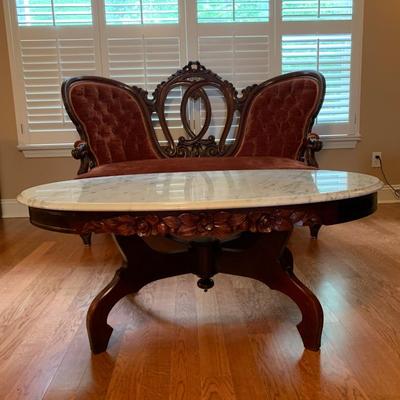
261,256
245,242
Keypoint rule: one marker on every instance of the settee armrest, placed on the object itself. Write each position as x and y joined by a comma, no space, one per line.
81,152
313,145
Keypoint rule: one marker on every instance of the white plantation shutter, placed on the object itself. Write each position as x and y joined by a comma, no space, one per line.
46,62
319,35
58,59
144,46
53,40
145,62
232,38
242,60
331,55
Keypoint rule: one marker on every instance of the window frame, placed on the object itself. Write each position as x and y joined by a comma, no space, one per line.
187,28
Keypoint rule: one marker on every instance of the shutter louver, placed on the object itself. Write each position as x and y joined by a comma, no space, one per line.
139,59
311,10
330,55
225,11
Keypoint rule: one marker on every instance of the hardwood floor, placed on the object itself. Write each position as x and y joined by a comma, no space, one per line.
173,341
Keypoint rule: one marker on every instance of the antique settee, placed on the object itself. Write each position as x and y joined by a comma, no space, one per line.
123,131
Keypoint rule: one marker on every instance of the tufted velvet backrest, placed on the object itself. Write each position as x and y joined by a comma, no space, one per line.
278,115
112,118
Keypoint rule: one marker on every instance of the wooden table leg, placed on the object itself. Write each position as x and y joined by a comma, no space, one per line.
99,331
268,260
142,266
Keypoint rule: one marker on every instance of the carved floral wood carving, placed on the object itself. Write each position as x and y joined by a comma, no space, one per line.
202,224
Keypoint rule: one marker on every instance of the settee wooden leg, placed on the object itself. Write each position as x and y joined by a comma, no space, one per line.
86,239
314,229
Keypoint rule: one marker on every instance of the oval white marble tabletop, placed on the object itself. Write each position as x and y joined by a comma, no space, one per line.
200,190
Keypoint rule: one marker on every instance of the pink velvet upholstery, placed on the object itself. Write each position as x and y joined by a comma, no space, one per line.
115,123
193,164
278,117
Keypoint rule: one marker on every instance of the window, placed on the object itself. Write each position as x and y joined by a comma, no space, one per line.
54,12
141,42
325,35
212,11
124,12
314,10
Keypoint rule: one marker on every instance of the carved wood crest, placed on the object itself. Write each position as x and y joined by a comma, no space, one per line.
194,79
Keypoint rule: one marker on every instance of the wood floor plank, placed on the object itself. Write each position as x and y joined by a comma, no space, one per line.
215,372
185,369
50,332
141,343
247,381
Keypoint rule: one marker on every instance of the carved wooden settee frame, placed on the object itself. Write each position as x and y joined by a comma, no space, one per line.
195,78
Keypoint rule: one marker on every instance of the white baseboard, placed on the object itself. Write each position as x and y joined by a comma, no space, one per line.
10,208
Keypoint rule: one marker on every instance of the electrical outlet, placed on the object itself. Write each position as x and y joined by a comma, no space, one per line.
375,162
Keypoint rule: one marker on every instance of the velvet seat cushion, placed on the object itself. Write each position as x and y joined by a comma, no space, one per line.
193,164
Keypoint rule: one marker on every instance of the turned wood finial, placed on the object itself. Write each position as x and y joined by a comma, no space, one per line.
205,283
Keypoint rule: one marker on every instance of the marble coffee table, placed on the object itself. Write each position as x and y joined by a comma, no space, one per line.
235,222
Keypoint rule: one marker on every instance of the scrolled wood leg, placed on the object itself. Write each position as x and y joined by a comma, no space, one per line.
267,259
99,331
310,327
142,266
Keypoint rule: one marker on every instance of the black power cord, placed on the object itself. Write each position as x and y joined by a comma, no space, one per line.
396,192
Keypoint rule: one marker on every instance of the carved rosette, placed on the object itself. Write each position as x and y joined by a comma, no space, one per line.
202,224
